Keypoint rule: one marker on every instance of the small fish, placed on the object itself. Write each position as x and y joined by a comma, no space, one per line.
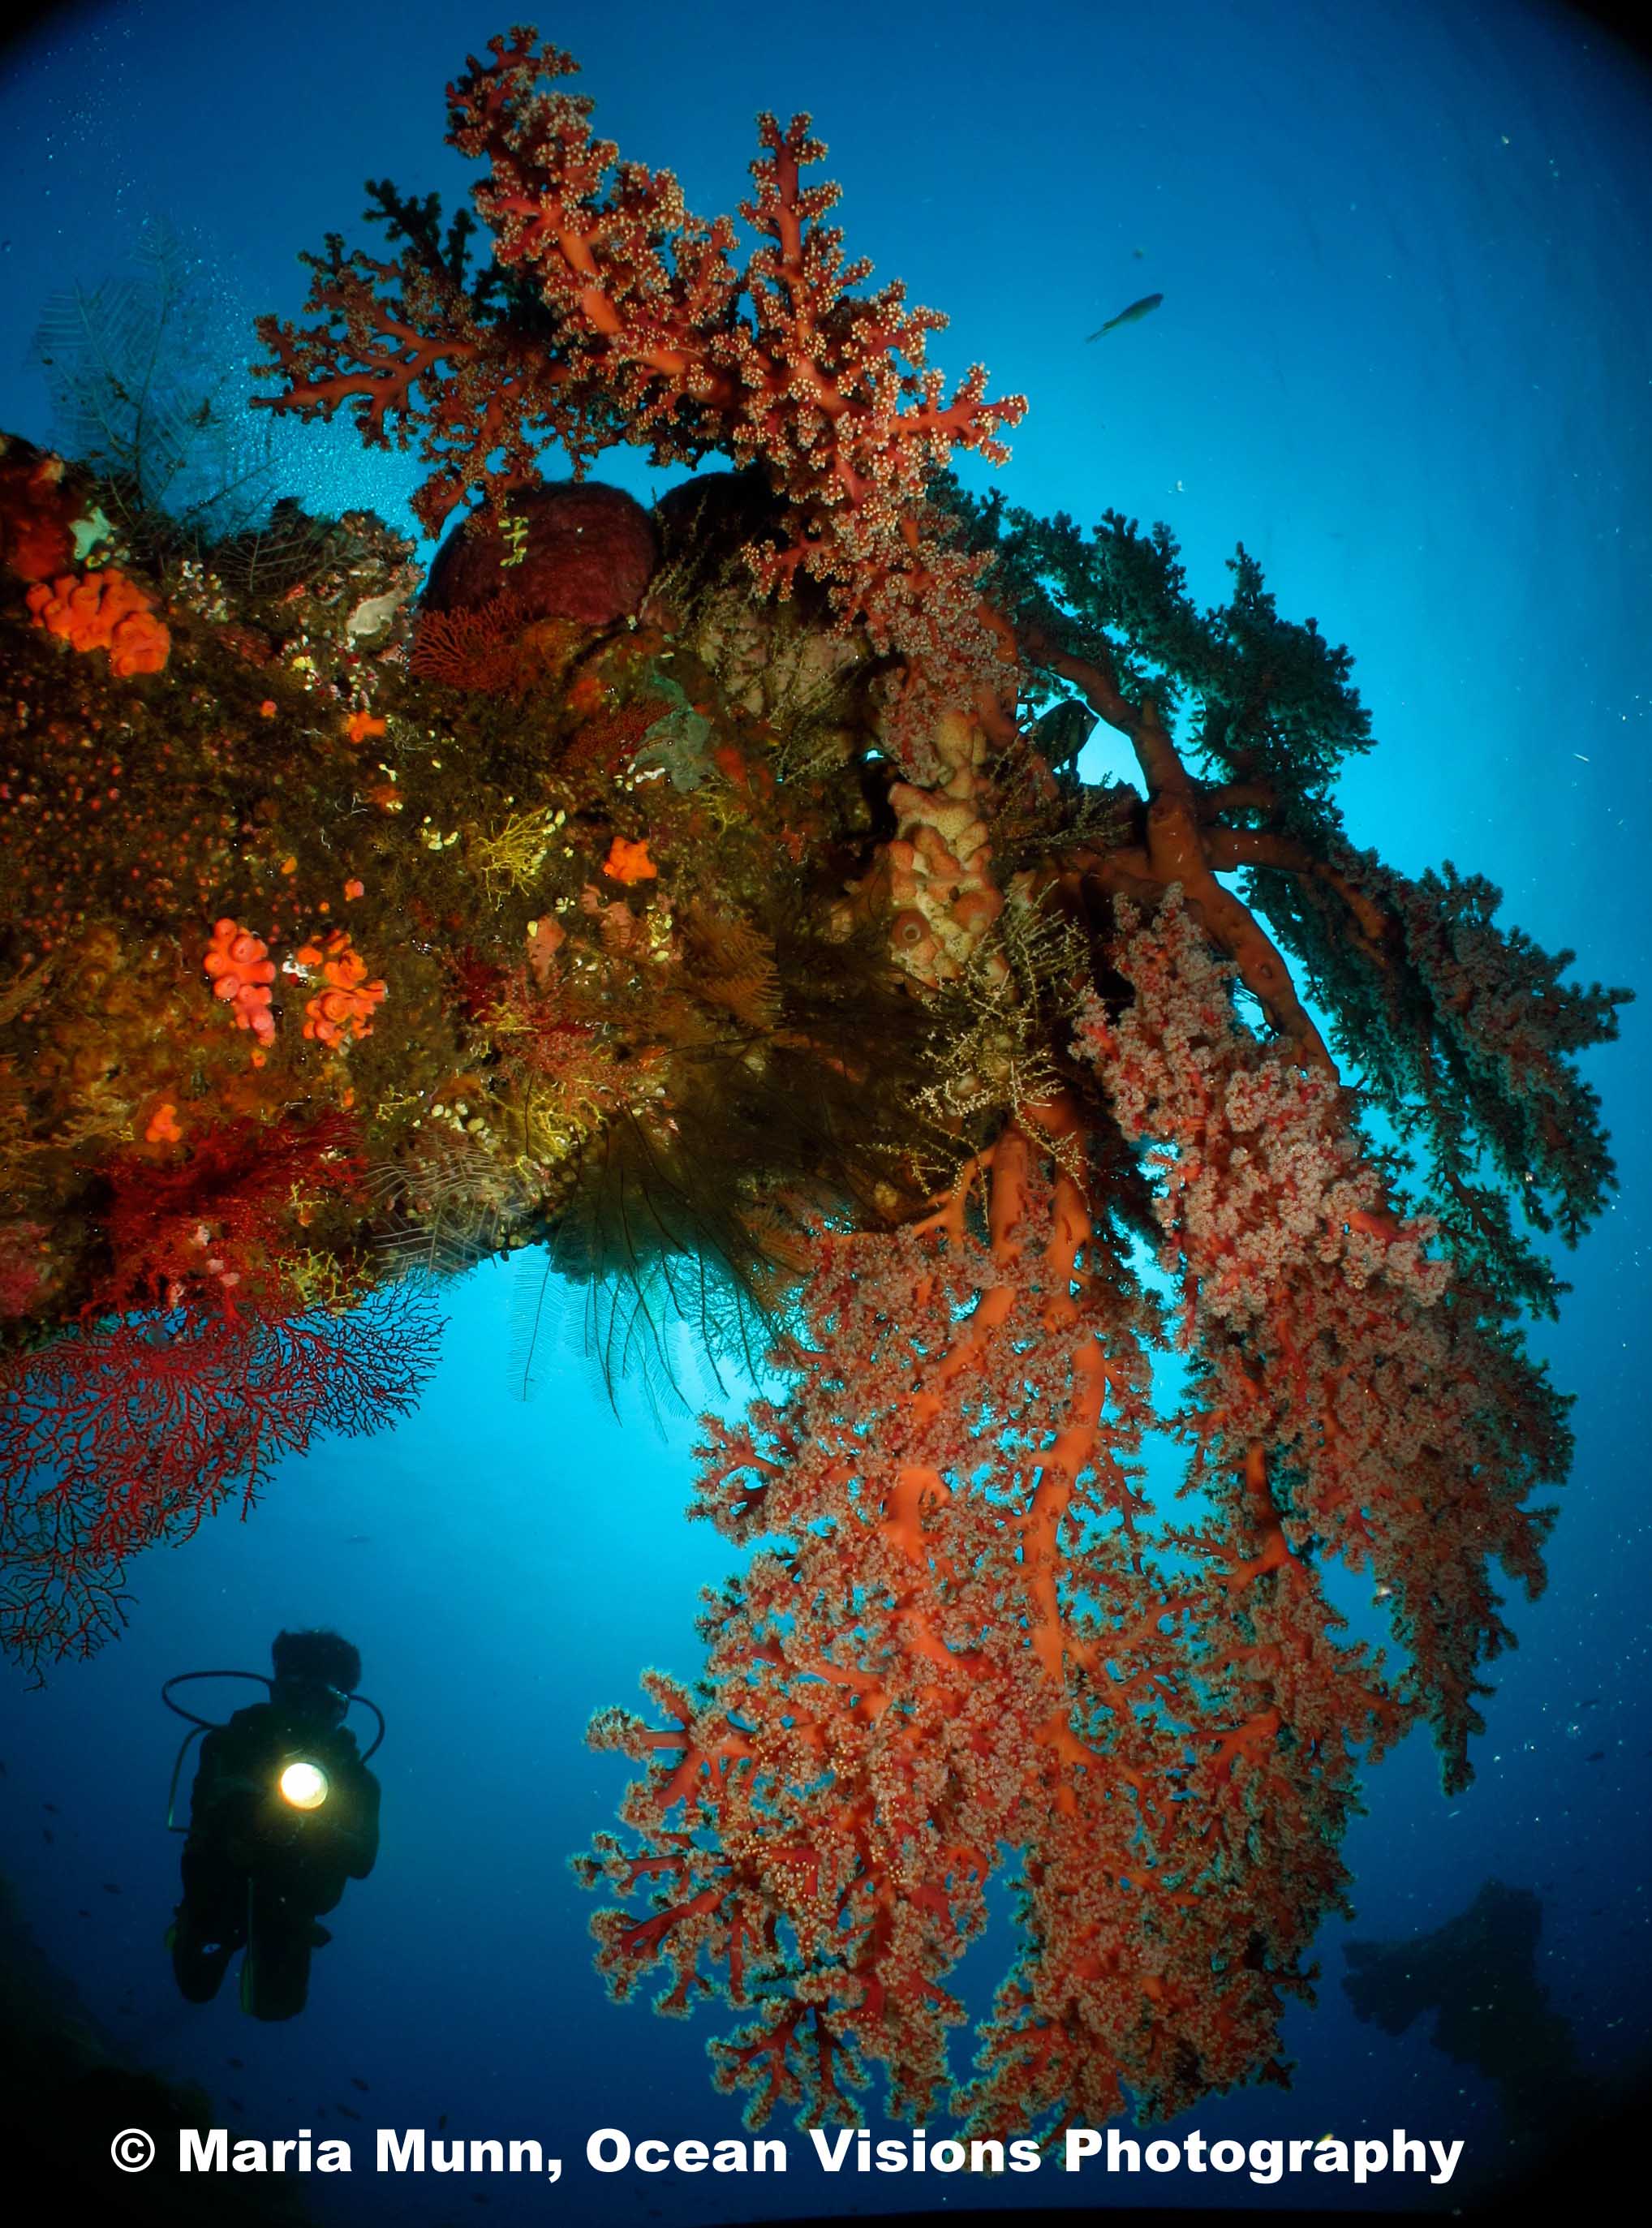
52,1806
46,1834
1596,1756
356,2082
238,2065
345,2113
83,1914
441,2122
111,1887
235,2103
1148,304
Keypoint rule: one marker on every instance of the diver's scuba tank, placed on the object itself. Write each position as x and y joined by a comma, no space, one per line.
280,1935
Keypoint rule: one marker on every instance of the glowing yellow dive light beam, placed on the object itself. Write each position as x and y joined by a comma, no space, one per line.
305,1786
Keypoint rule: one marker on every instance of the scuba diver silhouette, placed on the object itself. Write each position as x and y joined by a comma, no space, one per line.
283,1813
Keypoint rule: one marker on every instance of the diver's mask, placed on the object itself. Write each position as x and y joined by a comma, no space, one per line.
311,1699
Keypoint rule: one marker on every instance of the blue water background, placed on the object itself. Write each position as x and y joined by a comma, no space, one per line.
1405,353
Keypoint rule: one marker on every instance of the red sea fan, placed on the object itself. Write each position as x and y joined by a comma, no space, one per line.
129,1433
472,649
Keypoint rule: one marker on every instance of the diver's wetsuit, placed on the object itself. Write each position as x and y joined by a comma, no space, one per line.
240,1827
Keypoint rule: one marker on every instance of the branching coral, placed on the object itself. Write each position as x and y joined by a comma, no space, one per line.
1375,1387
961,1633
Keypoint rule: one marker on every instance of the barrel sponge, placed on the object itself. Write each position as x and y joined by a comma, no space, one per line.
572,550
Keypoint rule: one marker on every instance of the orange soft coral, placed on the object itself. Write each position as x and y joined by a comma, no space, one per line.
241,971
103,610
343,1008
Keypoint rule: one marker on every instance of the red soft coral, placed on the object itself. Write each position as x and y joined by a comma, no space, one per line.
36,513
1339,1352
958,1637
655,336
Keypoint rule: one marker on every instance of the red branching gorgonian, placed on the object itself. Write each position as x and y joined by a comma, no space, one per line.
127,1433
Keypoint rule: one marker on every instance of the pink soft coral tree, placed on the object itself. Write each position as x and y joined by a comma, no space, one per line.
1375,1388
967,1627
610,313
968,1630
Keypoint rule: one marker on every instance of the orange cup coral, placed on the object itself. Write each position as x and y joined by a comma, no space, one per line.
103,610
343,1008
242,970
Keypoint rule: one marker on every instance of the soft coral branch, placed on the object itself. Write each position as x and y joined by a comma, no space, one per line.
961,1640
1337,1347
612,312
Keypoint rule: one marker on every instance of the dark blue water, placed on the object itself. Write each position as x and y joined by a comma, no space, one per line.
1405,353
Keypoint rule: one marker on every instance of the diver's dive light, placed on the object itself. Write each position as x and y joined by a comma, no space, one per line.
305,1786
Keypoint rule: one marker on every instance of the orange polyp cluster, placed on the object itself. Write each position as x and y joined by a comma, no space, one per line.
103,610
343,1008
241,971
629,863
163,1128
